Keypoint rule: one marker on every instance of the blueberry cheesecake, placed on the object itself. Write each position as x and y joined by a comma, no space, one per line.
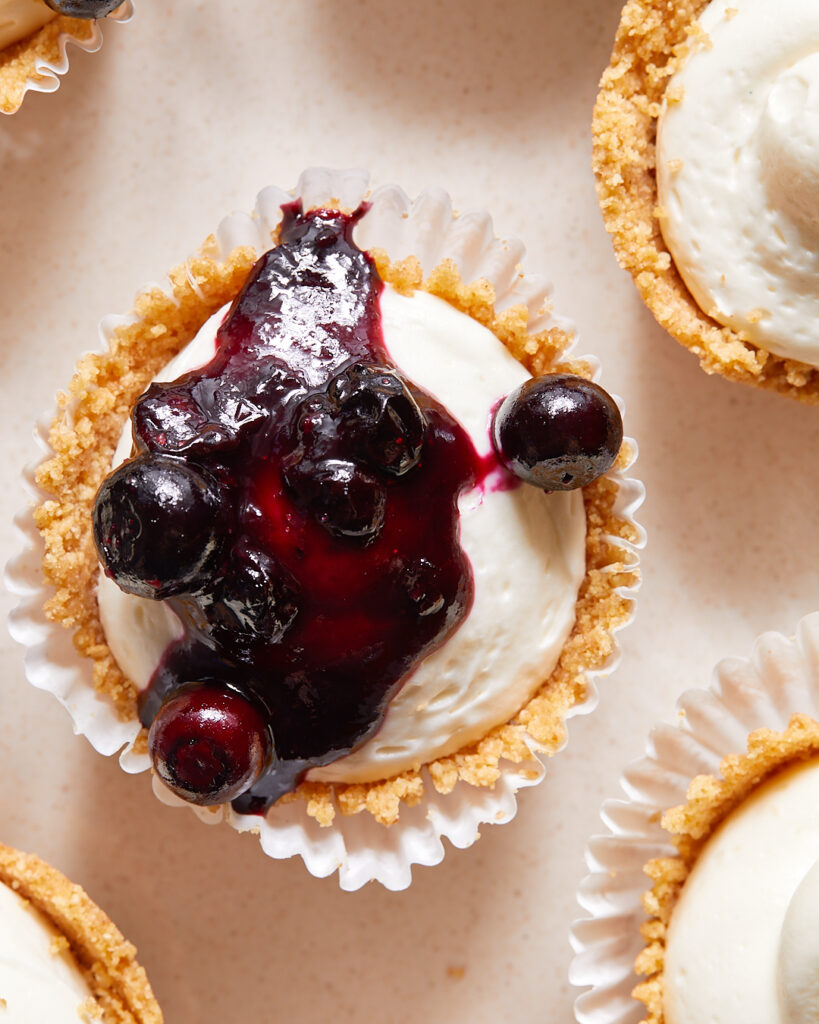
706,154
62,960
32,33
344,543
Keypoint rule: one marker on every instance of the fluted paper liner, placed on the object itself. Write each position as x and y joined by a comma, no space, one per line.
781,678
37,63
357,846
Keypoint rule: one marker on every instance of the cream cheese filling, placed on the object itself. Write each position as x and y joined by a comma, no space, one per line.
526,548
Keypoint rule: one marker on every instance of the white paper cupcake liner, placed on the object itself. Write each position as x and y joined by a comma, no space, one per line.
358,847
781,678
50,72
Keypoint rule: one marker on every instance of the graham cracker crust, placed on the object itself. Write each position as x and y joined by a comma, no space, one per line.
710,799
19,62
121,993
87,427
653,38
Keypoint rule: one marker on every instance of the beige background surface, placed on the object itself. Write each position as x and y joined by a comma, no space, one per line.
182,117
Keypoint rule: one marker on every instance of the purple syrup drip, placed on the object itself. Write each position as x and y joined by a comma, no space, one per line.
360,614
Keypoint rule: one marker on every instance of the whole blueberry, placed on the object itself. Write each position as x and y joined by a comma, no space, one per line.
558,431
317,429
253,601
84,8
208,744
169,421
379,417
346,499
159,526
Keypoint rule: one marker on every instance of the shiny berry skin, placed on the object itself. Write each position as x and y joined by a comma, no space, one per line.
346,499
209,744
195,419
558,432
379,418
317,429
84,8
254,602
169,421
158,526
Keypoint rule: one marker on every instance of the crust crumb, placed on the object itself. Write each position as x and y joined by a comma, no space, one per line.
90,1012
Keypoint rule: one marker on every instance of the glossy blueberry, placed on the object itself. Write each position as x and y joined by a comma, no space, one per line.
252,602
317,429
379,417
558,432
84,8
209,744
171,421
346,499
159,526
168,420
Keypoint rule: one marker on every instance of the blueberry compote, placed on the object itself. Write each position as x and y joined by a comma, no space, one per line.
333,565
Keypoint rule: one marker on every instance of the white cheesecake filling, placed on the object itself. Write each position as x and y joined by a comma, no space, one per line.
743,942
526,549
39,979
738,171
19,18
798,974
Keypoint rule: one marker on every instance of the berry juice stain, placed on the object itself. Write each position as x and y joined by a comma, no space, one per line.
333,565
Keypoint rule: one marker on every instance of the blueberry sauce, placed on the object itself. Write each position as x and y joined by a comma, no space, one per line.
337,566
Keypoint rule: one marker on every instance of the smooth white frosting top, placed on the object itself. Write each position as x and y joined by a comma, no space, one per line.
738,172
743,943
19,18
526,548
39,980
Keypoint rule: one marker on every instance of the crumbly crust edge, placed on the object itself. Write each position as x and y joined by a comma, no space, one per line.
19,63
119,985
710,799
86,429
654,36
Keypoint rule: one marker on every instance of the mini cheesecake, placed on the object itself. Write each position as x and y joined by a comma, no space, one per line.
371,595
706,155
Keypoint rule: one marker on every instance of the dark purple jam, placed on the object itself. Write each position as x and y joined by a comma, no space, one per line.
319,560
